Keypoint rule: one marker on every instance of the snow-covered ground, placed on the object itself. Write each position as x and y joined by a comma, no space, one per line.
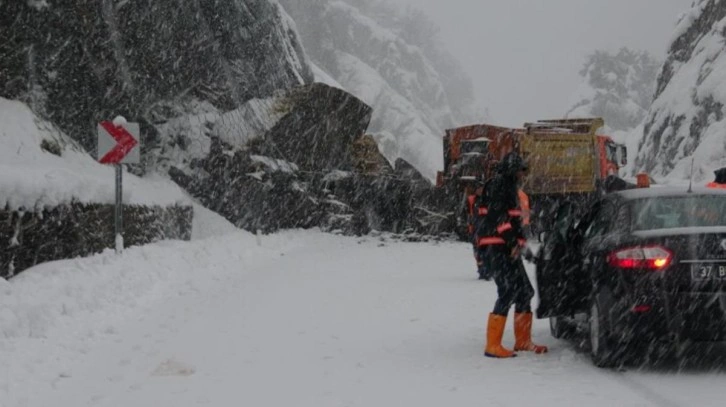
298,318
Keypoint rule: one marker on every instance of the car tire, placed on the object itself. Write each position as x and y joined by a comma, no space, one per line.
559,328
603,349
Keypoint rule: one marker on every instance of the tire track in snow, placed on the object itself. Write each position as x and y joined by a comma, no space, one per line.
640,388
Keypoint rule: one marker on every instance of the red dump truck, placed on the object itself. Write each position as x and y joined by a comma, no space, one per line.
567,158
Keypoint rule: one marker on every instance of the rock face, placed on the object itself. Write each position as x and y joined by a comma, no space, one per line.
686,119
78,62
389,60
222,91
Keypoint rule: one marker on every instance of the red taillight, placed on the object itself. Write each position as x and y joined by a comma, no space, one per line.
641,309
641,257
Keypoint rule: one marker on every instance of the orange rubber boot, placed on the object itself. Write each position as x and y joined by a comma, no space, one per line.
495,332
523,334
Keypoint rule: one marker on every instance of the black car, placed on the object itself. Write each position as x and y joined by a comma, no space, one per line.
643,267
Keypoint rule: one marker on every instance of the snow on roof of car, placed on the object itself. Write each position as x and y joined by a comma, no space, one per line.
668,191
693,230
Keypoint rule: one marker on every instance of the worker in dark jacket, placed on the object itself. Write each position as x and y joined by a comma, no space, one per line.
720,181
501,239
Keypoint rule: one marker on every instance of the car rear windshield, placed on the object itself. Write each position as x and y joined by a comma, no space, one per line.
679,212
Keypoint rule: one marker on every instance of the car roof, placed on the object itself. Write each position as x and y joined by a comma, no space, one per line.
666,192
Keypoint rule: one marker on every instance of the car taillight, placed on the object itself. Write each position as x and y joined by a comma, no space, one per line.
641,257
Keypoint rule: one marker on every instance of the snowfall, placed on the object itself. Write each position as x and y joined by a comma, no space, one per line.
298,318
301,318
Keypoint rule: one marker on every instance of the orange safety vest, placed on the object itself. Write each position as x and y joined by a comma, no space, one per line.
715,185
524,204
496,240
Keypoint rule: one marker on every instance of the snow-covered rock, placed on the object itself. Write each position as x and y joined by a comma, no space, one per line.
41,167
686,120
371,50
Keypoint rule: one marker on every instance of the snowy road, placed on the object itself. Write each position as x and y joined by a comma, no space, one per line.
303,319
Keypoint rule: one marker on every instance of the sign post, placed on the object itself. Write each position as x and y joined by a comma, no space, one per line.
119,143
118,228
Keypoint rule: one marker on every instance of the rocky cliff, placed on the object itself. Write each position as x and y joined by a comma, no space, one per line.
686,119
78,62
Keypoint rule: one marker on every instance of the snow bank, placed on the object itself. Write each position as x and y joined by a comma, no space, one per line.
47,298
207,224
31,177
62,308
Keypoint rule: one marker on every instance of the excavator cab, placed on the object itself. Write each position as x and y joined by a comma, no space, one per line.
472,161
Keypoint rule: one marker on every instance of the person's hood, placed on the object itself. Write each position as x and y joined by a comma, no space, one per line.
511,164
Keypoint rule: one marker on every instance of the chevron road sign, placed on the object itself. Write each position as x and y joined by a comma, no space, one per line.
118,143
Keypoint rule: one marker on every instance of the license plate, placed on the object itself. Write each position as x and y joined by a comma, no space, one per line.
708,272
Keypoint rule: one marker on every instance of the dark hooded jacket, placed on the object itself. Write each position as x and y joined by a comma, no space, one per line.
720,181
502,224
720,176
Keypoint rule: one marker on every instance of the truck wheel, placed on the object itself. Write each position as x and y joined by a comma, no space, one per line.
603,348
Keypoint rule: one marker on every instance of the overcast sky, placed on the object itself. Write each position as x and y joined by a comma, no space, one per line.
524,55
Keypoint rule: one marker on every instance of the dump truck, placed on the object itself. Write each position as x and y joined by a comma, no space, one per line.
566,157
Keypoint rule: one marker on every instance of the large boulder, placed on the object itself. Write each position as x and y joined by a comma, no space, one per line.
318,132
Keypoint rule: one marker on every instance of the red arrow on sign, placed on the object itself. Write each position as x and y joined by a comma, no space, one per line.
125,141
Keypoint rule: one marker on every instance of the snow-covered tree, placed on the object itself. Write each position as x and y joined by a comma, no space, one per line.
617,86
